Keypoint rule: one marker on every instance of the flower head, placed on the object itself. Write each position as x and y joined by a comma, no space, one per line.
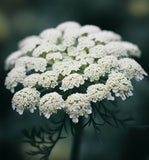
66,25
93,72
28,44
51,35
14,77
66,67
105,37
132,49
78,105
115,49
120,85
87,29
98,92
131,69
31,63
53,57
50,103
12,58
108,63
71,81
48,79
31,80
27,98
70,66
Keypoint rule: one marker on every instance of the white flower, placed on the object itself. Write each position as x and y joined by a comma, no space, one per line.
27,98
48,79
131,69
70,37
115,50
51,35
66,57
73,51
50,103
53,57
28,44
37,64
22,61
97,51
44,48
64,68
77,105
11,60
93,72
120,85
71,81
31,63
108,63
132,49
31,80
87,29
85,42
70,56
83,58
98,92
68,25
34,40
105,37
14,77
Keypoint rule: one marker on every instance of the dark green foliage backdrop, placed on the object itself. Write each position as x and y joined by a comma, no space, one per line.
129,18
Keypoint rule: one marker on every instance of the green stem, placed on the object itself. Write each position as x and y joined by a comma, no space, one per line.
75,153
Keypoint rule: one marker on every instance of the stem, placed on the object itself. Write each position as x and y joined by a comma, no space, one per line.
75,153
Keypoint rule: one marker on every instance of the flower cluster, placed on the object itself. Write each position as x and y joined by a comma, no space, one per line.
31,80
120,85
48,79
26,98
93,72
31,63
71,66
98,92
78,105
14,77
71,81
50,103
131,69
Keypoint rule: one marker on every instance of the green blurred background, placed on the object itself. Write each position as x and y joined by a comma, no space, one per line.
129,18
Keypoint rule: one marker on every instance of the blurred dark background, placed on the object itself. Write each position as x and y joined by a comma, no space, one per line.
129,18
